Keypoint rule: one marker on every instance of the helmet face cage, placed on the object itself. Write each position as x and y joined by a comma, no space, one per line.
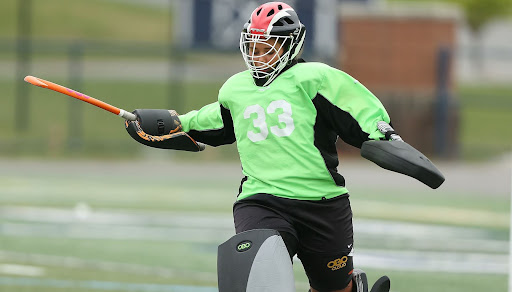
273,27
254,61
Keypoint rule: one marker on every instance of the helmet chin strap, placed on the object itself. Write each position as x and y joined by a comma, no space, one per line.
261,81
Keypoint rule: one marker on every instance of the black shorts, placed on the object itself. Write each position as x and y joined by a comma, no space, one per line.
319,232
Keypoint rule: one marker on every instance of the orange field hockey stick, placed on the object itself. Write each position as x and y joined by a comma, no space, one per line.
70,92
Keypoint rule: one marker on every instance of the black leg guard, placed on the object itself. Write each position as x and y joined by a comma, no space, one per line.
360,282
381,285
255,261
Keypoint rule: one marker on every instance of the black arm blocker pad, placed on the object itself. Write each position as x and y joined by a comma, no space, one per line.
401,157
160,128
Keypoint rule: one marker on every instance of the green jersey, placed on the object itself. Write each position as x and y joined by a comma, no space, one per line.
286,132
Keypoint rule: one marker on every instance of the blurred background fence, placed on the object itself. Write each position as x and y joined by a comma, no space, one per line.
176,54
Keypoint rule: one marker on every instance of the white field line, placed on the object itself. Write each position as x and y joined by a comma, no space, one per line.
388,260
70,262
82,222
434,214
424,236
427,241
118,232
105,266
458,244
425,261
21,270
94,285
83,214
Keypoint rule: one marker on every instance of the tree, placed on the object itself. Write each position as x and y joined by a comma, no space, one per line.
478,13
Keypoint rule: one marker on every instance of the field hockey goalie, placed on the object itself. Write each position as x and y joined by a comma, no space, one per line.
160,128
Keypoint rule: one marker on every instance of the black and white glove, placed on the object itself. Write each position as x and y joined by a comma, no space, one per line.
161,129
388,131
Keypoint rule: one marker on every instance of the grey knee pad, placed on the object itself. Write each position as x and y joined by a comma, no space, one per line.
255,261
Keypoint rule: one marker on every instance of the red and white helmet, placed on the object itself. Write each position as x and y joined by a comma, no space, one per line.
277,21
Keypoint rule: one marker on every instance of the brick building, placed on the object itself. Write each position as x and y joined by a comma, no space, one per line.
404,55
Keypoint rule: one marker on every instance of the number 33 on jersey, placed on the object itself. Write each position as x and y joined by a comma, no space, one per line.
286,132
259,118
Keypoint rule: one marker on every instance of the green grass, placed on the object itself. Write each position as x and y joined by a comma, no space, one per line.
439,207
486,113
490,96
485,132
87,19
125,194
102,134
400,281
180,256
441,282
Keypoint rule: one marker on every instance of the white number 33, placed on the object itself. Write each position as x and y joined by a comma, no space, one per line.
260,120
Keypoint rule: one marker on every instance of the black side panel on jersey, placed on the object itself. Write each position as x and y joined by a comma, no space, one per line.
325,140
332,122
217,137
244,179
341,122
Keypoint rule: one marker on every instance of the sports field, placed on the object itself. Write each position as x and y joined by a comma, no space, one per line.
155,225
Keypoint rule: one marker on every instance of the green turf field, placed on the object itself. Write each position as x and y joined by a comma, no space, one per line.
131,225
50,122
485,110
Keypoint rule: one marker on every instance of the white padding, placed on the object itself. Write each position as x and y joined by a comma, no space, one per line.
126,115
272,269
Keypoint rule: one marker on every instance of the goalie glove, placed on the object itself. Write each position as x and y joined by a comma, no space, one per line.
160,128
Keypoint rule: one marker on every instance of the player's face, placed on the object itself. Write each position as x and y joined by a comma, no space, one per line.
265,54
